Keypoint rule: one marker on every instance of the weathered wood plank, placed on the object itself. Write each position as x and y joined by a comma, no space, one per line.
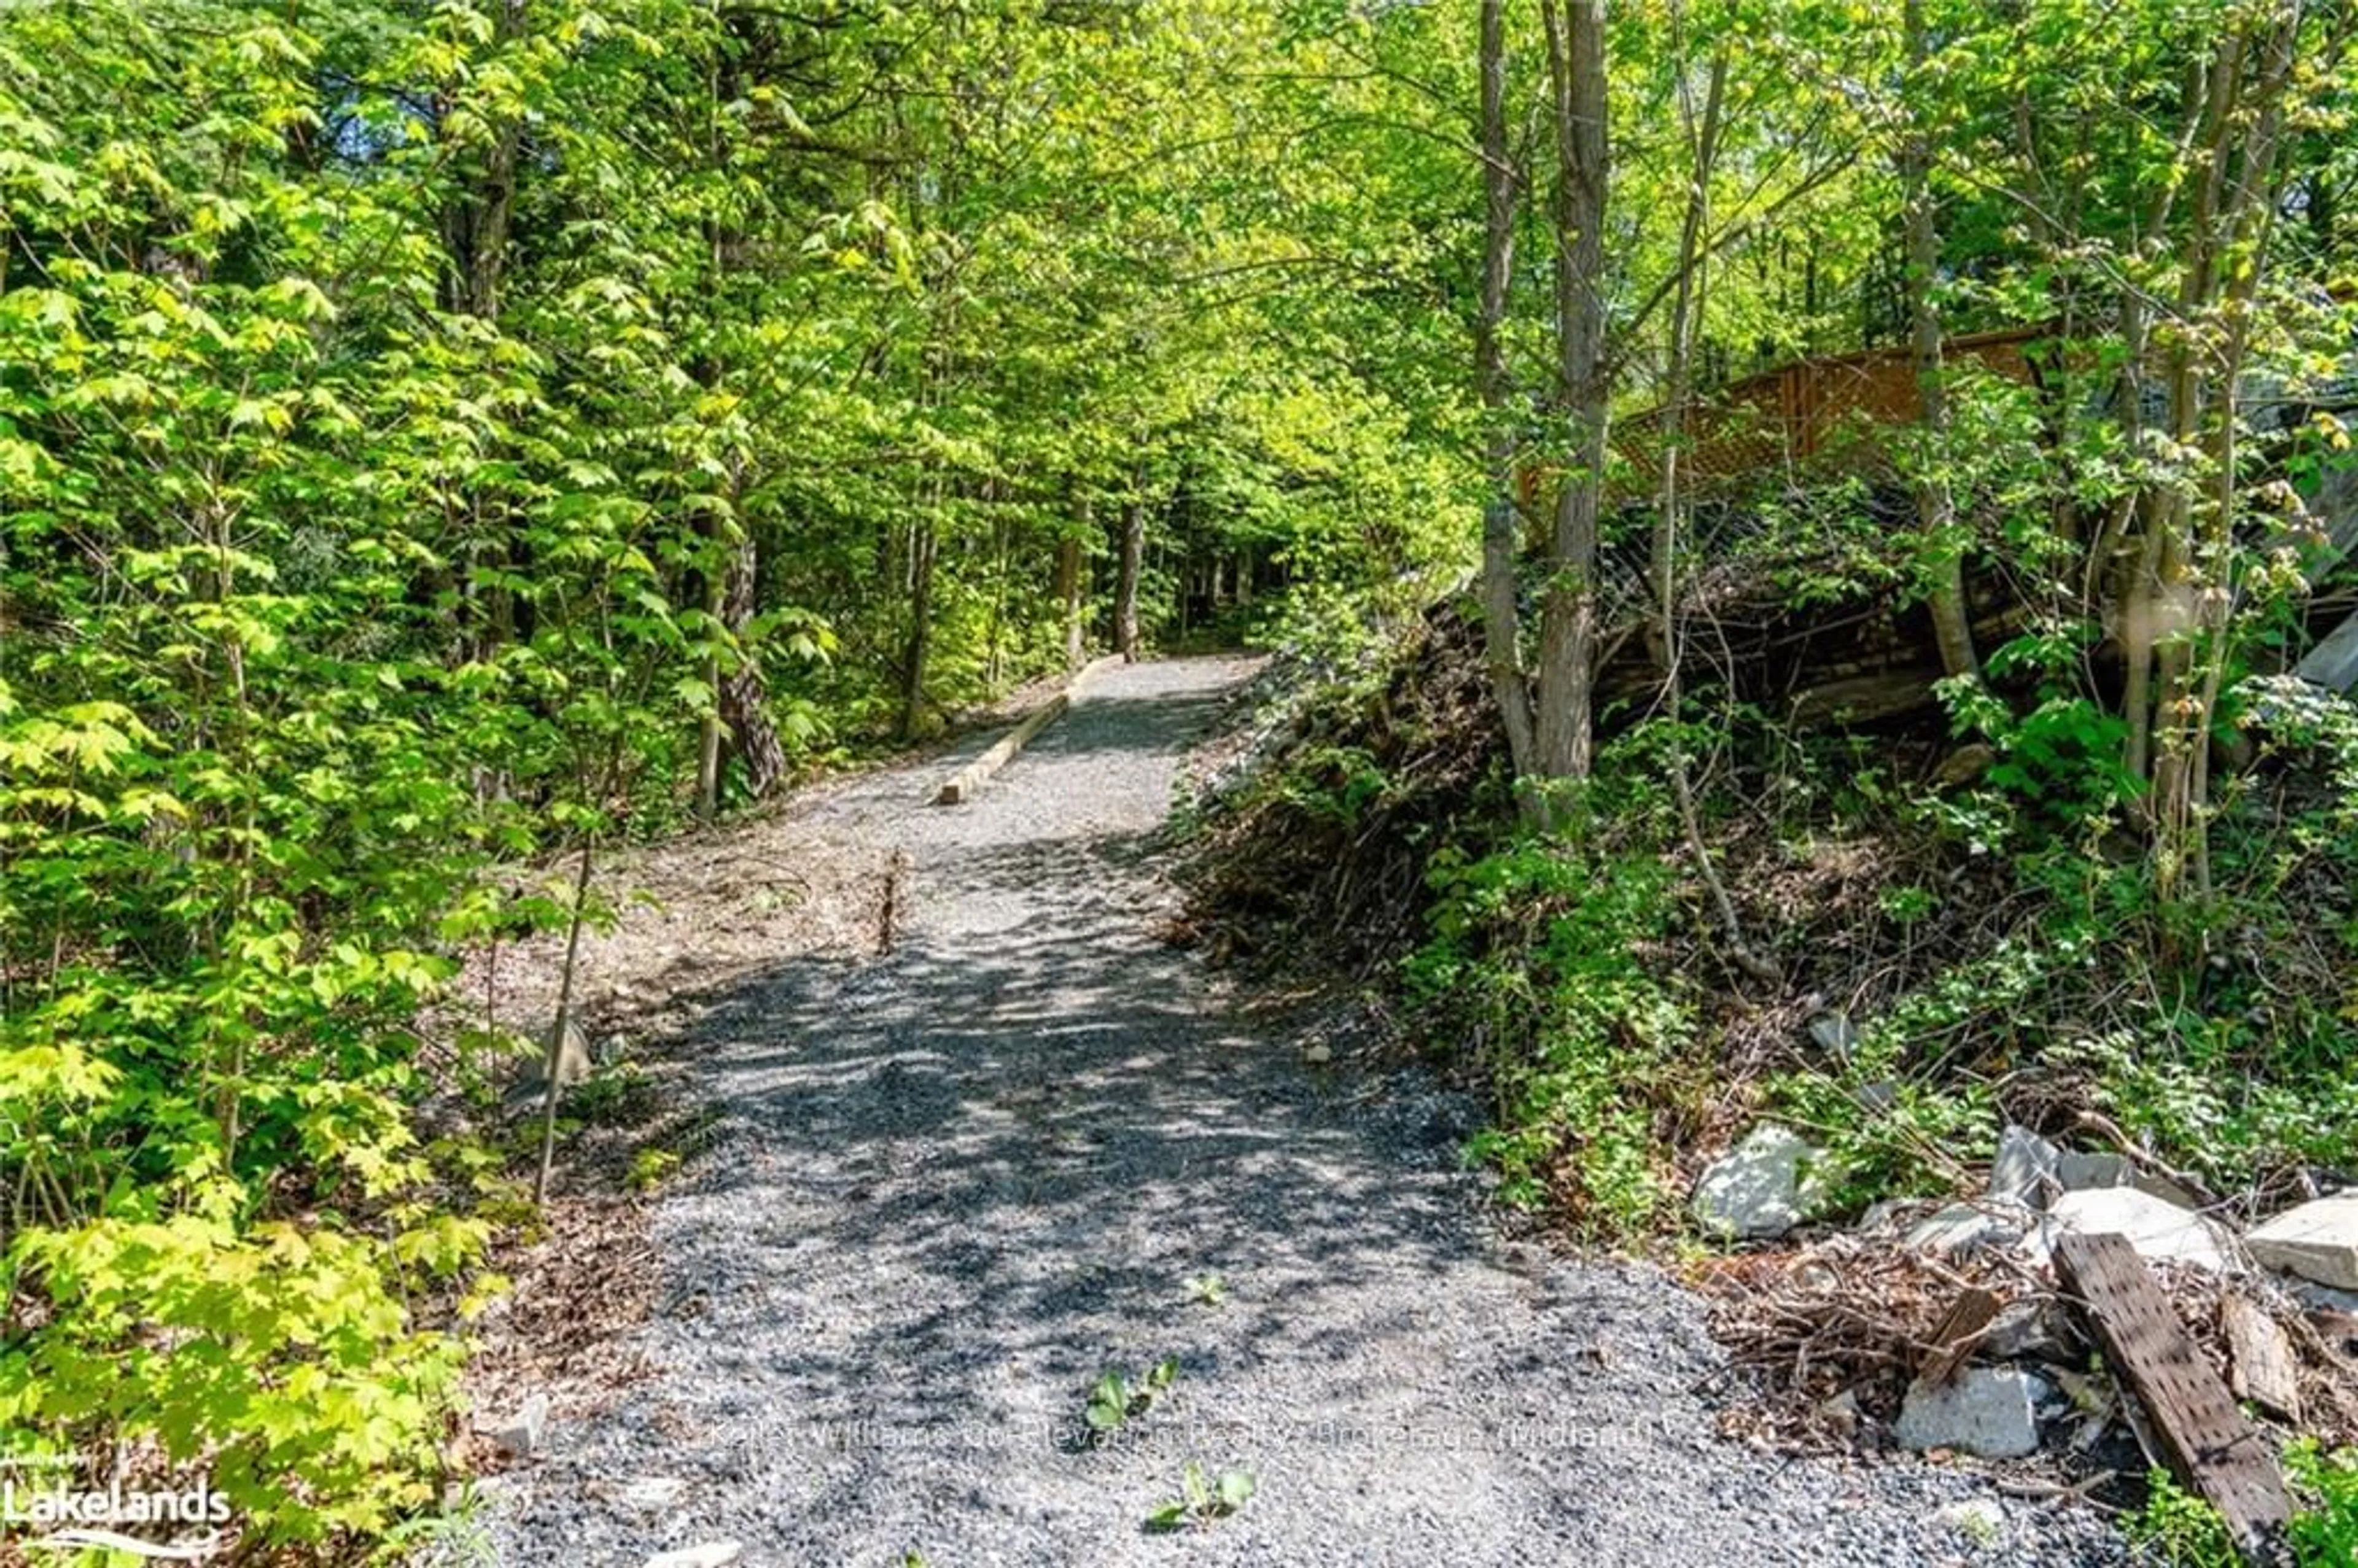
1961,1328
2260,1365
2205,1439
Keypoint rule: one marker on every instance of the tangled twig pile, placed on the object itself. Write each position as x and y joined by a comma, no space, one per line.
1832,1334
1323,851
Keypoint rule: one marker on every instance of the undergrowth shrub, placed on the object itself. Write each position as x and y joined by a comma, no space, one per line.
1544,967
2180,1530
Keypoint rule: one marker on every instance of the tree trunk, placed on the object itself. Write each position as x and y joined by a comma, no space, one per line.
1936,511
1501,620
919,646
1069,593
1564,740
2242,123
1686,314
475,227
744,697
709,727
1133,561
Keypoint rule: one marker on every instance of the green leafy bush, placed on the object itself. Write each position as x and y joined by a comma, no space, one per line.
1537,963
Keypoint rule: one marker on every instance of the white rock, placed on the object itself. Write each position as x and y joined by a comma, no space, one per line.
1981,1521
2079,1172
519,1437
708,1554
2022,1330
1986,1411
2023,1171
653,1491
2161,1231
1962,1227
1835,1035
2318,1242
574,1061
1762,1187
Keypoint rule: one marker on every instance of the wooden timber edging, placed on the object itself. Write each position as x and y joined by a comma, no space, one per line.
962,785
2210,1447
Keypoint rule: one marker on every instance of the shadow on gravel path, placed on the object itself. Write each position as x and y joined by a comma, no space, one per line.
960,1181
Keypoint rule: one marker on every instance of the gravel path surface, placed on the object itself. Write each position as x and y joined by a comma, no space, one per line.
960,1181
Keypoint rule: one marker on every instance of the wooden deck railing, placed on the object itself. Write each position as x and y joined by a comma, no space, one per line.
1813,417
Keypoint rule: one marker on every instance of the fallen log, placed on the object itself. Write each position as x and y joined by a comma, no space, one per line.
971,778
962,785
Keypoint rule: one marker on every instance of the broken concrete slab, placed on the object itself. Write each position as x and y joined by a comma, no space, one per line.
2077,1172
2023,1171
2318,1241
1986,1412
1760,1188
1963,1227
2161,1231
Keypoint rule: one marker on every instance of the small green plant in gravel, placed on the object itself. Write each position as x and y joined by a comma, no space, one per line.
1202,1498
2178,1530
1209,1288
649,1168
1117,1398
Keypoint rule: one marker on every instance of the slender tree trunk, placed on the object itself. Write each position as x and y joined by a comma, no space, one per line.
1501,620
1069,593
1686,314
994,649
475,229
553,1061
918,649
1132,565
709,727
1564,733
1936,510
2233,221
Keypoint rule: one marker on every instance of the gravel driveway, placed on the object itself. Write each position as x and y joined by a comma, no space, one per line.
960,1181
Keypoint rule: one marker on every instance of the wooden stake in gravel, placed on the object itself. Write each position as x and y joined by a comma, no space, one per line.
2209,1445
888,915
556,1031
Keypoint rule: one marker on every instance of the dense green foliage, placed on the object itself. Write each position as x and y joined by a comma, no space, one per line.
433,436
439,436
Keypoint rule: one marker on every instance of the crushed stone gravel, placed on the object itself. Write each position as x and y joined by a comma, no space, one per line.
955,1184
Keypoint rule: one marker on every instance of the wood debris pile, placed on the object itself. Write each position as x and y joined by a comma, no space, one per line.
2124,1364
